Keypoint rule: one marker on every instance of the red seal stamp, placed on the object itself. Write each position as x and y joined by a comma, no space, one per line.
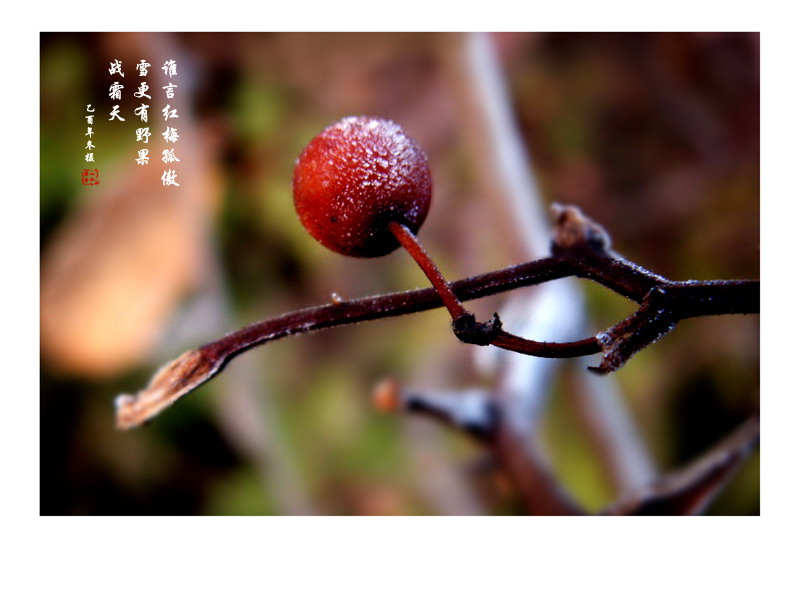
90,177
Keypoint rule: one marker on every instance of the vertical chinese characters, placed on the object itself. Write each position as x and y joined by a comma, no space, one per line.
145,106
89,176
115,90
142,133
170,134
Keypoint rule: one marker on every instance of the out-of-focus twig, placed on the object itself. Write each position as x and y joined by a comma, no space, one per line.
531,476
502,167
246,413
502,160
686,491
474,412
692,489
505,171
619,448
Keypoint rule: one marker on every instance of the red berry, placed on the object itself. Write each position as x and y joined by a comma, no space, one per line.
356,177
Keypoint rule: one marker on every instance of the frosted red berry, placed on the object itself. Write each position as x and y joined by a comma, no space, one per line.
357,176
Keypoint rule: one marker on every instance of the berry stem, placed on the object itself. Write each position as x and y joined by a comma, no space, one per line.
466,327
410,243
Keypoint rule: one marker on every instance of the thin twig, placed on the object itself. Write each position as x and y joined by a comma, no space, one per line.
197,366
465,325
410,243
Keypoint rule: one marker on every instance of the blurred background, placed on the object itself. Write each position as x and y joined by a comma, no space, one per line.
655,136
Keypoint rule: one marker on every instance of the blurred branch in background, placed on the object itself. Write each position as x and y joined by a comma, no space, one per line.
507,177
686,491
246,413
691,489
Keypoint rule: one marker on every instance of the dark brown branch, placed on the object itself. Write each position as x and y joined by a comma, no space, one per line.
553,350
198,366
663,304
